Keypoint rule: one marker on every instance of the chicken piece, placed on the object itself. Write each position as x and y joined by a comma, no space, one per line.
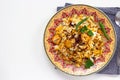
56,39
56,47
68,43
97,52
99,31
85,38
62,47
59,29
73,40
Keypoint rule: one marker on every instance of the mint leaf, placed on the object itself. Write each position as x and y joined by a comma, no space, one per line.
88,63
83,29
90,33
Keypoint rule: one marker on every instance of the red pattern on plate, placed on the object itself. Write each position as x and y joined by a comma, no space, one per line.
52,30
58,21
94,14
64,15
74,11
56,58
84,11
100,59
107,48
107,29
52,50
102,20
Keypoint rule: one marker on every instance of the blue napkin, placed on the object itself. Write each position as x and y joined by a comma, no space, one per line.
112,67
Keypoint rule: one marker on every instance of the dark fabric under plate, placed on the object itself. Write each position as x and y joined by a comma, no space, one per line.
112,67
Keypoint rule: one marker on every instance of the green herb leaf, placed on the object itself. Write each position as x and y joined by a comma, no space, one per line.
83,29
104,31
79,23
90,33
88,63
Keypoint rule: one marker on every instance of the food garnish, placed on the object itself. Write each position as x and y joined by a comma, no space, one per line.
88,63
103,30
78,39
90,33
79,23
83,29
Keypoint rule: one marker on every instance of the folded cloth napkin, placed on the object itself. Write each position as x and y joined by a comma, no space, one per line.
112,67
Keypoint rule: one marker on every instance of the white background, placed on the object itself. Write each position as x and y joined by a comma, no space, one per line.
22,24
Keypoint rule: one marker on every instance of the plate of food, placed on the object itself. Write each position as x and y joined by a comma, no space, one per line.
80,40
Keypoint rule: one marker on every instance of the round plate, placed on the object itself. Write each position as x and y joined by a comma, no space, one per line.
95,68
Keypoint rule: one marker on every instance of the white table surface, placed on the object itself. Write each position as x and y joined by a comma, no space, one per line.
22,24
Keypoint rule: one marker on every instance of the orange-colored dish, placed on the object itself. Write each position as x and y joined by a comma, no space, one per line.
79,40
